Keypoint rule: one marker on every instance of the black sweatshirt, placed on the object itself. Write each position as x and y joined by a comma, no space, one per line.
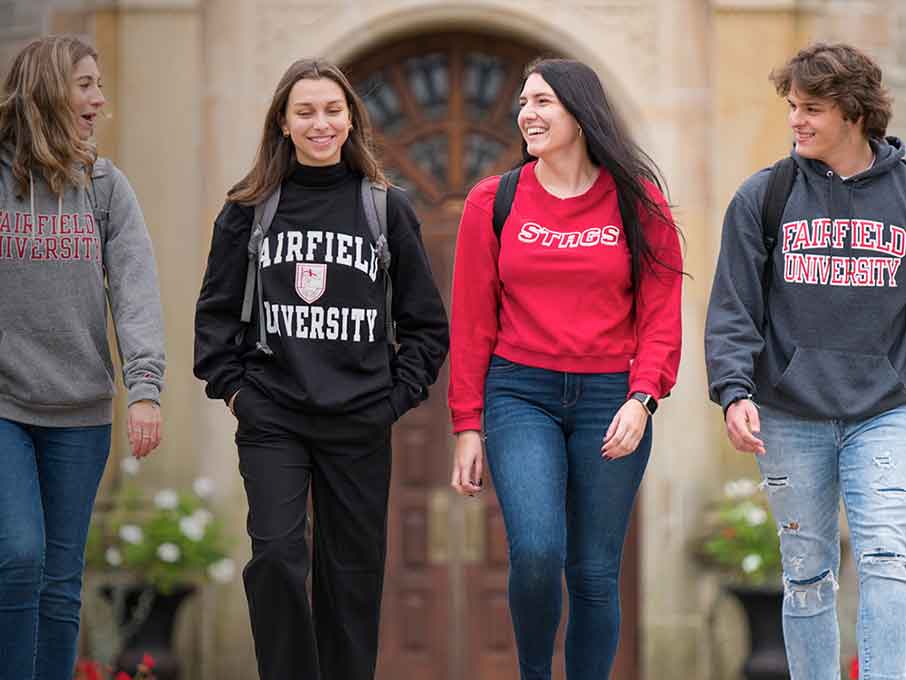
324,303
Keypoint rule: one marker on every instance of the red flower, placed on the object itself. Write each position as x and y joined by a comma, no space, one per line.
122,675
88,670
148,660
854,668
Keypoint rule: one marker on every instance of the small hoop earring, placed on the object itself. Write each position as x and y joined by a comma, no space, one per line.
580,132
286,133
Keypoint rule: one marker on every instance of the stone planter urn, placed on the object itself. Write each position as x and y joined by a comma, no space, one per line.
763,606
146,618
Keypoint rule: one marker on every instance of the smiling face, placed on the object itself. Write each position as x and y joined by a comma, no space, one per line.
318,120
820,130
85,95
546,125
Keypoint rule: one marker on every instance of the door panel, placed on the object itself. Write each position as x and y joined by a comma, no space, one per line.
444,110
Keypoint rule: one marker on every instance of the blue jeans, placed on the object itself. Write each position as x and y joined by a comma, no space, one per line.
48,482
807,465
563,506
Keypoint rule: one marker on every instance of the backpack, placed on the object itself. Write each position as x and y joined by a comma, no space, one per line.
780,184
374,201
100,195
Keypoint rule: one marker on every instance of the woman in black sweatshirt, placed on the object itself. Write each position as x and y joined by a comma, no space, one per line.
314,381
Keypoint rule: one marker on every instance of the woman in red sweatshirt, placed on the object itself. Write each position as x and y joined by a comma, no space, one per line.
565,333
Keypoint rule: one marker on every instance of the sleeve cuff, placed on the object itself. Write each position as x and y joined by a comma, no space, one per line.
230,390
401,400
466,422
732,394
144,392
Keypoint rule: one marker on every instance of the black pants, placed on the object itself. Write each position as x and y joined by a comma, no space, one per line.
346,462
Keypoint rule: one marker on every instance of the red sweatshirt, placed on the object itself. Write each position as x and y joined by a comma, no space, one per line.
555,293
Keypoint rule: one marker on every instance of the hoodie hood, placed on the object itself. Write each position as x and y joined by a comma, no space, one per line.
888,152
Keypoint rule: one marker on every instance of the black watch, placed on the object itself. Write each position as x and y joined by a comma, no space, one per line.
649,402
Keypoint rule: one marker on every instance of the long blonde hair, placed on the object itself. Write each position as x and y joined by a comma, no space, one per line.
36,116
276,153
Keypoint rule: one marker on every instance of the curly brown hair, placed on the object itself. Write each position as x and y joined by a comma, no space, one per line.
845,75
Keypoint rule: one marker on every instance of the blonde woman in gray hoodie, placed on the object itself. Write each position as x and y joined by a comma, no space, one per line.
72,237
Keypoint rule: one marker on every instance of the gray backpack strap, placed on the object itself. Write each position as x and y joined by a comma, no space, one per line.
100,194
374,201
261,223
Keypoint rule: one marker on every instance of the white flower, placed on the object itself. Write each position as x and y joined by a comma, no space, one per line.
191,528
740,488
222,571
203,487
202,516
751,562
168,552
166,499
113,556
129,466
132,534
756,516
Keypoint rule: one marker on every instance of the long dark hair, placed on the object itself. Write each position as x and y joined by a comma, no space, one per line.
277,154
610,146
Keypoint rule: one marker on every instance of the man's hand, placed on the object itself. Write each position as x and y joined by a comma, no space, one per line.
743,424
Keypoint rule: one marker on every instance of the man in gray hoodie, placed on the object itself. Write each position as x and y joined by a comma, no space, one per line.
807,357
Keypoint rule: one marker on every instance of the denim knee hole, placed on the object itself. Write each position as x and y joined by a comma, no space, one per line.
773,484
883,564
884,461
807,596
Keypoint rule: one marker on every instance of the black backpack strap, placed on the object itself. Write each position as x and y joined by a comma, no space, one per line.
261,223
374,202
503,198
780,184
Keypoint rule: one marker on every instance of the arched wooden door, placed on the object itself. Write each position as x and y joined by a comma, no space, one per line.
444,109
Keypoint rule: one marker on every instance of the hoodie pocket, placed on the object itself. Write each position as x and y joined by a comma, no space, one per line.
54,368
832,383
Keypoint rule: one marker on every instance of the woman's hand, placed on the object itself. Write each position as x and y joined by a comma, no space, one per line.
144,427
468,463
625,431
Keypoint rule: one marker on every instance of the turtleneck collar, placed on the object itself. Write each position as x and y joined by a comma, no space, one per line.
320,177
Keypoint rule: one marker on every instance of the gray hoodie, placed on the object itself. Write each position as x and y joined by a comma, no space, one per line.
831,341
55,366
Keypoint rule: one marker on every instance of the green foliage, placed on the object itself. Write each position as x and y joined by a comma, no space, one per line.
163,540
741,538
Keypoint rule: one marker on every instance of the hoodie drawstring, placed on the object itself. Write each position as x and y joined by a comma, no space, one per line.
34,218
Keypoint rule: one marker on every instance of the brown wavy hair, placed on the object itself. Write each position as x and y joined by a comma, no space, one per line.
277,154
845,75
37,120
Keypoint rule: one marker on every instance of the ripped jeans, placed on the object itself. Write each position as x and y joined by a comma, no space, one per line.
808,464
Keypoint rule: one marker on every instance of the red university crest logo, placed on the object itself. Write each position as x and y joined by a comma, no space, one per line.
311,281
